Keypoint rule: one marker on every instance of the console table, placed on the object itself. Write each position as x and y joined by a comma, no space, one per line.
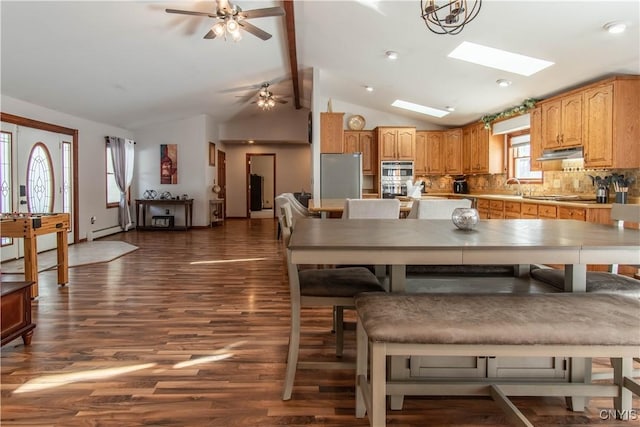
142,206
29,228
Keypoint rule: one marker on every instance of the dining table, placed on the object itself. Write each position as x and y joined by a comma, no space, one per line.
398,243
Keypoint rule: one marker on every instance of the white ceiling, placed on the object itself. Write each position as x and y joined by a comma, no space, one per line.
130,64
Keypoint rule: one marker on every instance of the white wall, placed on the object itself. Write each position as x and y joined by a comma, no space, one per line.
91,160
285,125
194,174
292,172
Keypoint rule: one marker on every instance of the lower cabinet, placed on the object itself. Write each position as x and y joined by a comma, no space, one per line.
552,368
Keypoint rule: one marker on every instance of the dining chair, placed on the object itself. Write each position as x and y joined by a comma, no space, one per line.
329,287
600,281
298,210
436,208
371,209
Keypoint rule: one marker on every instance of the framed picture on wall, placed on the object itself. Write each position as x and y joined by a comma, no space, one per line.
168,163
212,154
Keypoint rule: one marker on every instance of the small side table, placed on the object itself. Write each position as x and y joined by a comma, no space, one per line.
216,212
15,306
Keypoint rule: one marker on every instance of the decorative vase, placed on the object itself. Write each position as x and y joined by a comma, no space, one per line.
465,218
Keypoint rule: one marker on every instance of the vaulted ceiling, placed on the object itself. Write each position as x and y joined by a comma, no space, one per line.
130,64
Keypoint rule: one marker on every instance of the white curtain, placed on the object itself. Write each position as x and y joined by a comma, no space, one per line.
122,155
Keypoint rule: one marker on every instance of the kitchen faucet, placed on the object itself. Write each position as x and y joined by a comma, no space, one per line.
519,192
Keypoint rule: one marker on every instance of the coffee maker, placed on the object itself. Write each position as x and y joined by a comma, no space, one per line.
460,185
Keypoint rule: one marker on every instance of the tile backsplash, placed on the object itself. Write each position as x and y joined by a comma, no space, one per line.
554,182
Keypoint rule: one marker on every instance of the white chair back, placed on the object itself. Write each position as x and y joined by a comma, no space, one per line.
371,208
621,213
436,208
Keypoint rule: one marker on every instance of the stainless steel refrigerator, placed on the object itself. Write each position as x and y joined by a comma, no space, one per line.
341,176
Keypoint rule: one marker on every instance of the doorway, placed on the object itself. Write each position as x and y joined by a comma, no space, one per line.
261,184
40,170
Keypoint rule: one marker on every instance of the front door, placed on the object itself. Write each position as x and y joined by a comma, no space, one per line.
41,179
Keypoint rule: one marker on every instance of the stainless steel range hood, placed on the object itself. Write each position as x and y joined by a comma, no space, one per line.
561,154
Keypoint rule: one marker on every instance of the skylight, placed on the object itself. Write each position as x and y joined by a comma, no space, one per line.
419,108
499,59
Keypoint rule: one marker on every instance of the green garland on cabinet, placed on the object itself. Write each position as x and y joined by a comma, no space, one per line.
526,105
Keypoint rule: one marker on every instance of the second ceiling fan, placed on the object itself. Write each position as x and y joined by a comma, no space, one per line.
231,19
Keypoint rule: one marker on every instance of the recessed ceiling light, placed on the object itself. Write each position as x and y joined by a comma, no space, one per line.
419,108
450,109
251,141
616,27
503,83
391,54
368,88
499,59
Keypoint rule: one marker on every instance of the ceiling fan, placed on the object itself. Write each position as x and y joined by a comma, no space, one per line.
266,99
231,19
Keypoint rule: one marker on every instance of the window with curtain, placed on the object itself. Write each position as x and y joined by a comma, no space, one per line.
113,193
520,159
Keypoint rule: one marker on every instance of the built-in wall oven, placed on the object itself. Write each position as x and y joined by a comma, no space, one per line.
393,178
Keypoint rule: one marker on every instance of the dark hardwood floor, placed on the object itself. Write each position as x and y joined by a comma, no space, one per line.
192,330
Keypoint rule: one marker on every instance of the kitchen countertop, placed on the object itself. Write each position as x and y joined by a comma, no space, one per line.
591,204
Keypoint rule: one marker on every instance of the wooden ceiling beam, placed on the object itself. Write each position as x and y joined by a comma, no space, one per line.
293,57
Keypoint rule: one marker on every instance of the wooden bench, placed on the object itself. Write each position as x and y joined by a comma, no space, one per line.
524,325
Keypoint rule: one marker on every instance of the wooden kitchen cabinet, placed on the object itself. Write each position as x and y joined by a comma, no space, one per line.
565,212
547,211
562,122
483,153
420,162
535,138
435,143
331,132
512,210
396,143
452,152
362,142
496,209
529,210
611,131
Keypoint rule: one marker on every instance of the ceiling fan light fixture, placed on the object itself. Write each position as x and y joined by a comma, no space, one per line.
236,36
232,26
218,29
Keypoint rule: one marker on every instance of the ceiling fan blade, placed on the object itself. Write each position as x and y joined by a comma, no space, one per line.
210,35
255,30
261,13
280,101
190,12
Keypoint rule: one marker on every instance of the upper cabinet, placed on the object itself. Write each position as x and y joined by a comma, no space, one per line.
438,152
396,143
362,142
452,152
420,163
331,132
562,122
611,131
535,133
435,141
601,117
483,152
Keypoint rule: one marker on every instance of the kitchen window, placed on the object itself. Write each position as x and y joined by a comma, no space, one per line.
519,158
